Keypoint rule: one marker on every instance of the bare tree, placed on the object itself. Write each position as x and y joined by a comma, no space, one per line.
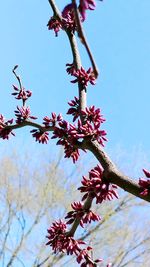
30,198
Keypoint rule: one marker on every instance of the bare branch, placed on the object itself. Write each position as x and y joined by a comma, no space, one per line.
29,123
55,9
83,39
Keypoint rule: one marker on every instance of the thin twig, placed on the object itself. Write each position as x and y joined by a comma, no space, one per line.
87,205
55,9
29,123
83,39
17,77
76,57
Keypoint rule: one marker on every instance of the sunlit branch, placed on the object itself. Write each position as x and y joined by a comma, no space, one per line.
83,39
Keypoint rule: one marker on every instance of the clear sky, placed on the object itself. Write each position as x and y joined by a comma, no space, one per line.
119,35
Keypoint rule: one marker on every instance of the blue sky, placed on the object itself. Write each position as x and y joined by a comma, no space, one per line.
119,35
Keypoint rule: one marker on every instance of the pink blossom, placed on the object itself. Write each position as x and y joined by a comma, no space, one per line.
65,133
93,115
40,136
145,184
71,151
85,5
86,216
147,173
53,120
91,130
68,21
61,242
97,187
56,234
71,69
92,121
4,132
21,93
84,77
23,113
54,24
85,259
74,110
70,134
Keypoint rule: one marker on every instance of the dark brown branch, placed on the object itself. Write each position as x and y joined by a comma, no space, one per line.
87,205
111,172
29,123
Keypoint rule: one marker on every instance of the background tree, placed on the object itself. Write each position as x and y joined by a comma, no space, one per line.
30,201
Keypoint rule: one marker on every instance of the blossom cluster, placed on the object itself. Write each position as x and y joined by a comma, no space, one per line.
69,135
23,113
79,212
82,76
54,24
68,21
145,184
92,121
68,18
21,93
4,131
85,5
48,122
97,187
62,240
74,108
40,136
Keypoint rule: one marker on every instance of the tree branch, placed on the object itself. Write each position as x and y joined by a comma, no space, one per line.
29,123
55,9
83,39
111,173
76,56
